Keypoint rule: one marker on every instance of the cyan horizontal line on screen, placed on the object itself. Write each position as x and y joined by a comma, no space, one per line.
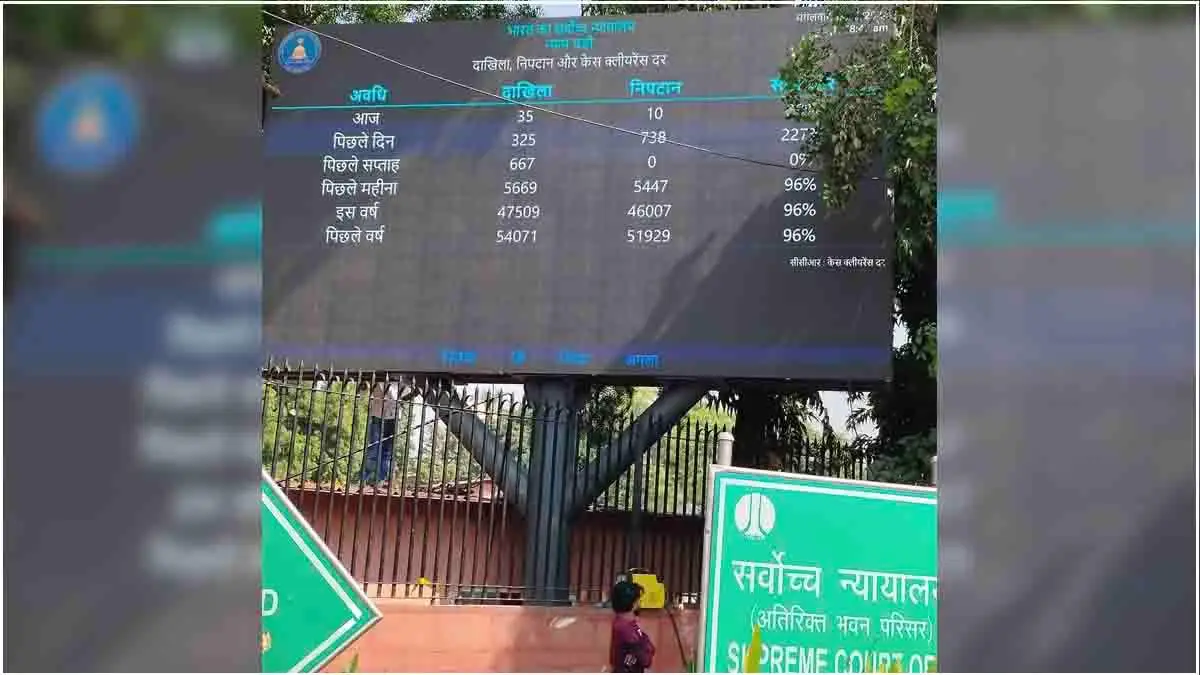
233,234
965,205
534,357
540,103
970,217
238,225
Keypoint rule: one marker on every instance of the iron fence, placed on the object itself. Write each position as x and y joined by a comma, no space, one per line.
411,512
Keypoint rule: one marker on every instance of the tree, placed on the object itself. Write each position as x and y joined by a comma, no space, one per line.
476,12
674,470
316,431
607,408
312,433
884,103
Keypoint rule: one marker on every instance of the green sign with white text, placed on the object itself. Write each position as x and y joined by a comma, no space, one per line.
311,607
840,575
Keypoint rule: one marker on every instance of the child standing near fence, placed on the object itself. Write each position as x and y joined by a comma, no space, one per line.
630,650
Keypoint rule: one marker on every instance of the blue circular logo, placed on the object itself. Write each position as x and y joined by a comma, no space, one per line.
299,51
88,123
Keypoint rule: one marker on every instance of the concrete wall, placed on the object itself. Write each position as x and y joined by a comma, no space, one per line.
416,636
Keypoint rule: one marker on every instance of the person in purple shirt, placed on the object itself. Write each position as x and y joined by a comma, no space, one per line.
630,650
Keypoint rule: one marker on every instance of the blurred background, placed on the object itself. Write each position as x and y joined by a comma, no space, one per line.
1066,282
131,338
1066,315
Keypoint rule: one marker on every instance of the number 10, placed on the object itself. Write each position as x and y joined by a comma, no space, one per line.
655,112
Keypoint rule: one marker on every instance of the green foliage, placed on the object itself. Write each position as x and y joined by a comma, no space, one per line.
779,431
476,12
607,409
909,462
40,38
317,433
120,33
674,469
710,414
884,105
312,434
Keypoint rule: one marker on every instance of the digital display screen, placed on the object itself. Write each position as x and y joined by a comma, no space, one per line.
620,197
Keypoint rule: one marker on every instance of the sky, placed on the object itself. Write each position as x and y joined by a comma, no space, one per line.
559,9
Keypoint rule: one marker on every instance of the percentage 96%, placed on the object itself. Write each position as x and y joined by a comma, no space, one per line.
799,235
800,184
799,209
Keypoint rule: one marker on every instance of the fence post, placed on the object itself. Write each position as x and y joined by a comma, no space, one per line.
633,557
933,461
725,448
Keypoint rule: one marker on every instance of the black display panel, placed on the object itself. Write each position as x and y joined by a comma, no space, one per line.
417,225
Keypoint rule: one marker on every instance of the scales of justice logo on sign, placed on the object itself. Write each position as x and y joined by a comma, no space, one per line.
754,515
299,52
836,575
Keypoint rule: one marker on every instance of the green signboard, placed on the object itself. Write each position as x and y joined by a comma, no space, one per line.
311,606
840,576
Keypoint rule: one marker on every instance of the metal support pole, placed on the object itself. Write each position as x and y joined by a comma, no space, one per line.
554,444
725,448
934,477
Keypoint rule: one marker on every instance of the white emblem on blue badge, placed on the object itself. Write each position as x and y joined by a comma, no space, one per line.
299,51
88,123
